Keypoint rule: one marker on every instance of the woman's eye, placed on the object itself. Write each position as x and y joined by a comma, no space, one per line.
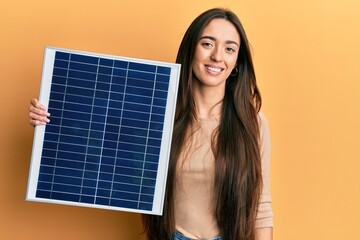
206,44
229,49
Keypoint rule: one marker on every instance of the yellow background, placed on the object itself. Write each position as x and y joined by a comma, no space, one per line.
306,55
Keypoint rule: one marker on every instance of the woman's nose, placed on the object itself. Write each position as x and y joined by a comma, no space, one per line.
216,55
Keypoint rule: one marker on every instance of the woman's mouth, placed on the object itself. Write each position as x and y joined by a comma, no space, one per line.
214,69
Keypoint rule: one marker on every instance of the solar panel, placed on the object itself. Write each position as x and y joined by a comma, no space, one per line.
108,142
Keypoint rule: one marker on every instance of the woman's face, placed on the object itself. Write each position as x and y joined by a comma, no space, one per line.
216,53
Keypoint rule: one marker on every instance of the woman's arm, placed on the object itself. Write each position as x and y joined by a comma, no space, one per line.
264,233
264,221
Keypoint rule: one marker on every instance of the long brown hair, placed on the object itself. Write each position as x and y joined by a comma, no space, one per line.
238,180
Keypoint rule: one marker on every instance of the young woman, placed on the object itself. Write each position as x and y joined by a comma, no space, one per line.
218,179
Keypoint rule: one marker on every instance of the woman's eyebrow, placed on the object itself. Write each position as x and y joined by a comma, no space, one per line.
214,39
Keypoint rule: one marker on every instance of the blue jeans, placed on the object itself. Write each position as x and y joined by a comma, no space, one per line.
179,236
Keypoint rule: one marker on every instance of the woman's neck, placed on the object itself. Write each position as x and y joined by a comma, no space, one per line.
208,101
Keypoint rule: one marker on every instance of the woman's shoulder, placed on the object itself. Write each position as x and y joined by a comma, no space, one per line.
263,122
264,129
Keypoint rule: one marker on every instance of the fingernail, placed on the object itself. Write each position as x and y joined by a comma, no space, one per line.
47,120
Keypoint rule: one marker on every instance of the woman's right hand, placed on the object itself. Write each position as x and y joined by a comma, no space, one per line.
38,113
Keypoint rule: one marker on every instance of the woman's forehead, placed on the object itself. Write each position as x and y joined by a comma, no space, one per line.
221,29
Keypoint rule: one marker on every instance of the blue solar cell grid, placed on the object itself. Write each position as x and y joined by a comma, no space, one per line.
103,143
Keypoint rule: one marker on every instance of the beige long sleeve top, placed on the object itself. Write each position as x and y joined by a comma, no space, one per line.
194,196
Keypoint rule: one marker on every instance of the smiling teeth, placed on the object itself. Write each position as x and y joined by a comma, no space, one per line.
214,69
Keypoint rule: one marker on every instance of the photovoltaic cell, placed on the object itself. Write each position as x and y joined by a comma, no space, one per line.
108,142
